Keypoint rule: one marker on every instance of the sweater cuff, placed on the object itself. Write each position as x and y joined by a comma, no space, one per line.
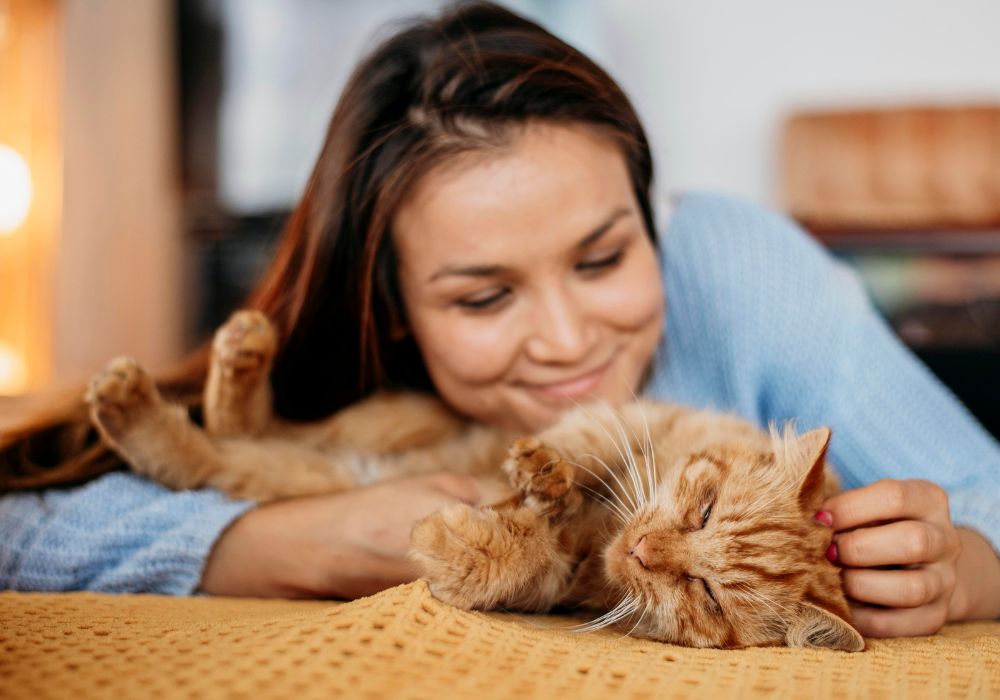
976,509
186,549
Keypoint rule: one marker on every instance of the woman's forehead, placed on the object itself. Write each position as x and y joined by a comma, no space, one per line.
552,185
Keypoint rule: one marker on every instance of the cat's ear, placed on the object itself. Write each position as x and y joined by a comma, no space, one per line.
812,447
815,627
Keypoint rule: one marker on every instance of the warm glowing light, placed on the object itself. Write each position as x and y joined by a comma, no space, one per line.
15,191
13,371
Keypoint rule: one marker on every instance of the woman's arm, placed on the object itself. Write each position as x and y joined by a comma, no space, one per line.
344,545
118,533
123,533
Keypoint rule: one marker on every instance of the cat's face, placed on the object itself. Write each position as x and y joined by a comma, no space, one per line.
727,553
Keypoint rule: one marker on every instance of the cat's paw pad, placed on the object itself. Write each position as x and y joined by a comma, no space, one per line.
120,394
246,342
452,549
541,476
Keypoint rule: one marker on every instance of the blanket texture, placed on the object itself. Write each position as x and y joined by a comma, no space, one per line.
403,643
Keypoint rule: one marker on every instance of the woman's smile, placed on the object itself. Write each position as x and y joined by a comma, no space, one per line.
578,387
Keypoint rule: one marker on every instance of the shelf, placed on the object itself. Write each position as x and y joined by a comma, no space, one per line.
985,242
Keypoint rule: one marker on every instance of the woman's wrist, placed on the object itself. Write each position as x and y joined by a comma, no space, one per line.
238,562
266,552
977,590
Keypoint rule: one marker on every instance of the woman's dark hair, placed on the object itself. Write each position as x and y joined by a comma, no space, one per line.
462,81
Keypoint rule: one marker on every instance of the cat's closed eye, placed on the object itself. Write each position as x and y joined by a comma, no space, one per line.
714,603
707,513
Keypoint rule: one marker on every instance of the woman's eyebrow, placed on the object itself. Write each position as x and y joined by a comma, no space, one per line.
490,270
469,271
604,227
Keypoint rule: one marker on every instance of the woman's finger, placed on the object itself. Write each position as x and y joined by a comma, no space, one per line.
899,622
888,499
909,588
903,542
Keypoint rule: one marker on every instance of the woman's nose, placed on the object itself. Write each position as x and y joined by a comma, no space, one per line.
559,333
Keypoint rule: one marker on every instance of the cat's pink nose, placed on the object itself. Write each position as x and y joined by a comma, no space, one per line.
641,551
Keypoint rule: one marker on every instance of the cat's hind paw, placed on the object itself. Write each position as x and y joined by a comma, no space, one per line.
245,343
543,479
121,394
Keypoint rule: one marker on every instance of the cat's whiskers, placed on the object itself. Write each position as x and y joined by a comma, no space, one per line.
603,500
625,608
642,618
651,454
637,500
624,509
645,444
606,502
620,609
632,469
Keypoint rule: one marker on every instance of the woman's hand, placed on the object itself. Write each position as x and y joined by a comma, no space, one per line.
908,568
343,545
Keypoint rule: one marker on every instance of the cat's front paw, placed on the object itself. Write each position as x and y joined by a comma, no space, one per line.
478,557
442,545
120,395
544,480
244,343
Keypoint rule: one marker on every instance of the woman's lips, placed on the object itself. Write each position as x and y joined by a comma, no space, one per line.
577,387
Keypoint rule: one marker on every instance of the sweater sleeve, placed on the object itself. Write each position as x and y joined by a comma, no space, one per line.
119,533
795,337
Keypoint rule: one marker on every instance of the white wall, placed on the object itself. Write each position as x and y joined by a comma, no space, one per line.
713,79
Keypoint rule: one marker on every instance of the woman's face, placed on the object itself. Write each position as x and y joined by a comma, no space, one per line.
528,277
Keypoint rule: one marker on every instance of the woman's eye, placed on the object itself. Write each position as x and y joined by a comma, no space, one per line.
707,514
602,263
484,301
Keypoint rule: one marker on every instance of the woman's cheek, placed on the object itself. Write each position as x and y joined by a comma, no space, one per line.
470,350
632,299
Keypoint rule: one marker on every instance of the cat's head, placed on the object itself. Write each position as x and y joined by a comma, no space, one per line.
728,554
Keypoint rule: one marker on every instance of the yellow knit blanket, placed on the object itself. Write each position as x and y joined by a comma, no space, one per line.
403,643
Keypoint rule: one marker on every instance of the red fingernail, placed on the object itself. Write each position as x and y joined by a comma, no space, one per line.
831,552
824,517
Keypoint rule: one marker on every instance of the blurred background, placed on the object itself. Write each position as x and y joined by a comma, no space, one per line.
151,149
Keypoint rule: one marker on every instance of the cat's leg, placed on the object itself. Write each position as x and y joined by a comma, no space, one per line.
237,397
514,554
545,483
156,438
612,447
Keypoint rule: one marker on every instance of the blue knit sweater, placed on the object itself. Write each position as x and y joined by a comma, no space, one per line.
761,321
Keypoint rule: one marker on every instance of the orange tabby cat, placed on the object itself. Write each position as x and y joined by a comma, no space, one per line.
685,526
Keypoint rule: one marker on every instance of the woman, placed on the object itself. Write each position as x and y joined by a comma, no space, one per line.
479,225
